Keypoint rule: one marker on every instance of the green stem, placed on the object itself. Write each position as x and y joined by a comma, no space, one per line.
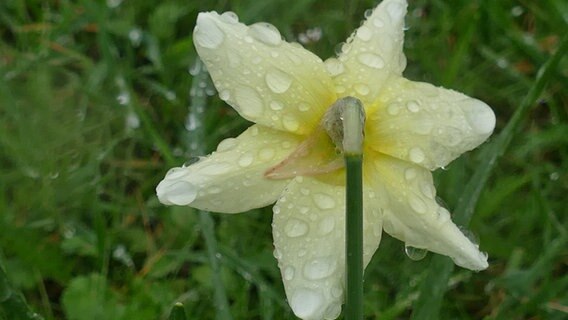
354,237
353,124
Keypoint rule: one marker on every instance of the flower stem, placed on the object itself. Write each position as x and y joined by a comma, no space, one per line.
353,124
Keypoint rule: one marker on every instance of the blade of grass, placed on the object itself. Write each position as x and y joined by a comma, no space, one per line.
197,135
433,287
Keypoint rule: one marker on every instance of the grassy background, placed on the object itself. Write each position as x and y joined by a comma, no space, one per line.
93,97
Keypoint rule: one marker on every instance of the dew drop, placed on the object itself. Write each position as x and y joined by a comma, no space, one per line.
266,154
278,81
479,116
412,106
334,67
324,201
289,273
395,10
246,160
393,109
428,190
416,155
207,34
303,107
319,268
306,303
371,60
414,253
410,174
276,105
176,173
364,33
230,17
295,228
176,192
362,89
249,102
224,95
377,22
277,254
417,204
265,33
290,123
326,225
216,169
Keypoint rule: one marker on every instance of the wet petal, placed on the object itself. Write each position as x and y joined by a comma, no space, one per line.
412,215
427,125
267,80
232,178
309,236
372,54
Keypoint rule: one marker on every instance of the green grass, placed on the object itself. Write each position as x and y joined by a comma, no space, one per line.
92,106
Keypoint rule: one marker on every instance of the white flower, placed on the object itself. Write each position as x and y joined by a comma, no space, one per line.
411,128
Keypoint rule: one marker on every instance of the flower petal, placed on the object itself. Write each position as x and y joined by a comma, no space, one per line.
309,236
232,178
267,80
427,125
372,53
412,215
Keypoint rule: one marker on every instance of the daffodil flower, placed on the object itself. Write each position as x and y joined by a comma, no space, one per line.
286,157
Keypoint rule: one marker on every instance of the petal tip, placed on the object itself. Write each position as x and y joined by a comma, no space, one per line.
207,33
480,117
176,192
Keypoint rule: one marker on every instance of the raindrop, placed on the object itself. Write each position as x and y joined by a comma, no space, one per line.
393,109
368,13
303,107
207,34
326,225
278,81
414,253
395,10
362,89
290,123
364,33
324,201
289,273
479,116
248,101
224,95
416,155
417,204
412,106
428,190
177,192
319,268
306,303
216,168
277,254
230,17
410,174
377,22
334,67
371,60
265,33
276,105
295,228
266,154
246,159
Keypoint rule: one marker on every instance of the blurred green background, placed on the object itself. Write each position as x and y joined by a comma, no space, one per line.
93,101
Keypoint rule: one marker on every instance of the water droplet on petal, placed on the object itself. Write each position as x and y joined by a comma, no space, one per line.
368,13
306,303
207,34
277,254
303,107
290,123
225,95
324,201
246,159
276,105
428,190
480,116
179,192
334,66
393,109
265,33
289,273
364,33
266,154
377,22
416,155
278,81
295,228
319,268
443,215
412,106
395,10
362,89
410,174
230,17
414,253
333,311
371,60
249,102
215,169
326,225
417,204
